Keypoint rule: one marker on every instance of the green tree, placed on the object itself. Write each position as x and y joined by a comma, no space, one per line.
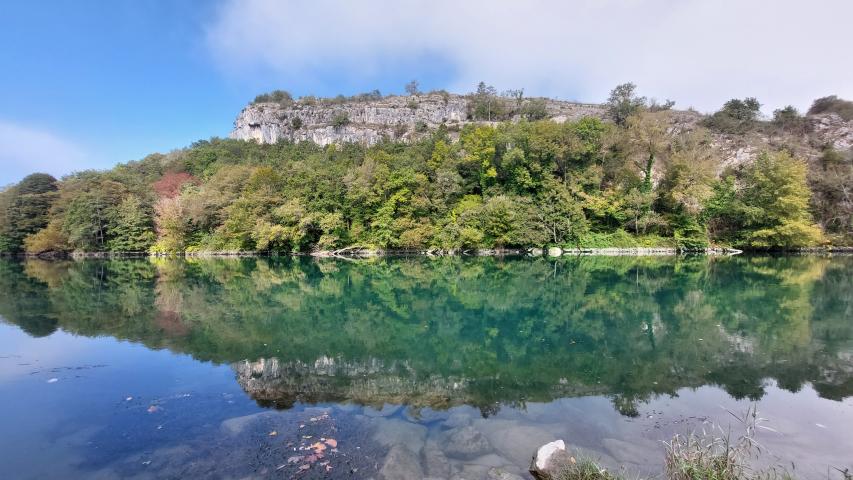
736,116
25,209
624,102
559,214
484,104
131,228
771,207
777,196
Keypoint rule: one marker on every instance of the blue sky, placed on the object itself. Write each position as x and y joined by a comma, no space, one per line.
87,84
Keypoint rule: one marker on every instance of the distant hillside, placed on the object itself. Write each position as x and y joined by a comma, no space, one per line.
448,173
371,118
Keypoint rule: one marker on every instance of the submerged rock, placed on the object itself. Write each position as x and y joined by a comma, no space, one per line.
457,419
401,464
513,440
393,432
465,443
238,425
387,410
436,463
502,474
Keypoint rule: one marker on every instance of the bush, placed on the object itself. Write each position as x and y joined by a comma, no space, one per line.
48,239
618,239
534,109
833,104
584,470
341,119
736,116
280,97
790,120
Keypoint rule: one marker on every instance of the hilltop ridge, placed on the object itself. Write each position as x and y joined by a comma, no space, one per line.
368,120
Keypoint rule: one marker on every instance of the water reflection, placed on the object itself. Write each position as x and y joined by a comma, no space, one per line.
484,332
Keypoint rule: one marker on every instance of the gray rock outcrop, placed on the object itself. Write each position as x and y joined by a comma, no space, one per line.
368,122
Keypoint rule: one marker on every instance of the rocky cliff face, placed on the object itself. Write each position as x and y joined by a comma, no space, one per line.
327,121
367,122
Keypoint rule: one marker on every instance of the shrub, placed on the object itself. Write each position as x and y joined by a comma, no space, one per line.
736,116
584,470
341,119
48,239
833,104
400,130
534,109
280,97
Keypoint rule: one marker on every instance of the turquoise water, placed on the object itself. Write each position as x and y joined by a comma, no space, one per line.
415,367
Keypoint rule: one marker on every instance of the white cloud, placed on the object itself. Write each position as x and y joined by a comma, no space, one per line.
697,52
25,149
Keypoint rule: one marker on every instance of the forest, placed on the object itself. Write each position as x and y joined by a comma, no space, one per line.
629,180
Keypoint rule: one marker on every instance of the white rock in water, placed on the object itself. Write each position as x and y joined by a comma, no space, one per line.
543,455
555,251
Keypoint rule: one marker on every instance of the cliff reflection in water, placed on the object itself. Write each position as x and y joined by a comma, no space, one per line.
478,331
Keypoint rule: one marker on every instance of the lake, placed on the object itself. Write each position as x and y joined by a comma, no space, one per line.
413,367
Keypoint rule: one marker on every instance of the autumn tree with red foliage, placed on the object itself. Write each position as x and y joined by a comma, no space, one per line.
170,184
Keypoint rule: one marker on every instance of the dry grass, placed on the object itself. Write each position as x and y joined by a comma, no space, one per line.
718,455
712,454
585,470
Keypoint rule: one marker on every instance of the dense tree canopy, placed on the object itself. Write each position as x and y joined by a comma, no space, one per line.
633,182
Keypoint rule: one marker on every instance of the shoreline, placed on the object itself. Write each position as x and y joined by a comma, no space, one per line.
551,252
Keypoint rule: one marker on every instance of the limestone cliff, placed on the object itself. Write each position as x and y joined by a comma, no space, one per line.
326,121
368,121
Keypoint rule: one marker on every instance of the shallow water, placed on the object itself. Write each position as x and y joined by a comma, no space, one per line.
413,367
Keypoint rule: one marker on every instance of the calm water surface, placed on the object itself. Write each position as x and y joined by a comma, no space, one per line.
416,367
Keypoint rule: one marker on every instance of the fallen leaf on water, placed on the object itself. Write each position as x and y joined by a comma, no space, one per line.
328,468
273,433
332,442
304,467
153,408
318,447
294,459
313,458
